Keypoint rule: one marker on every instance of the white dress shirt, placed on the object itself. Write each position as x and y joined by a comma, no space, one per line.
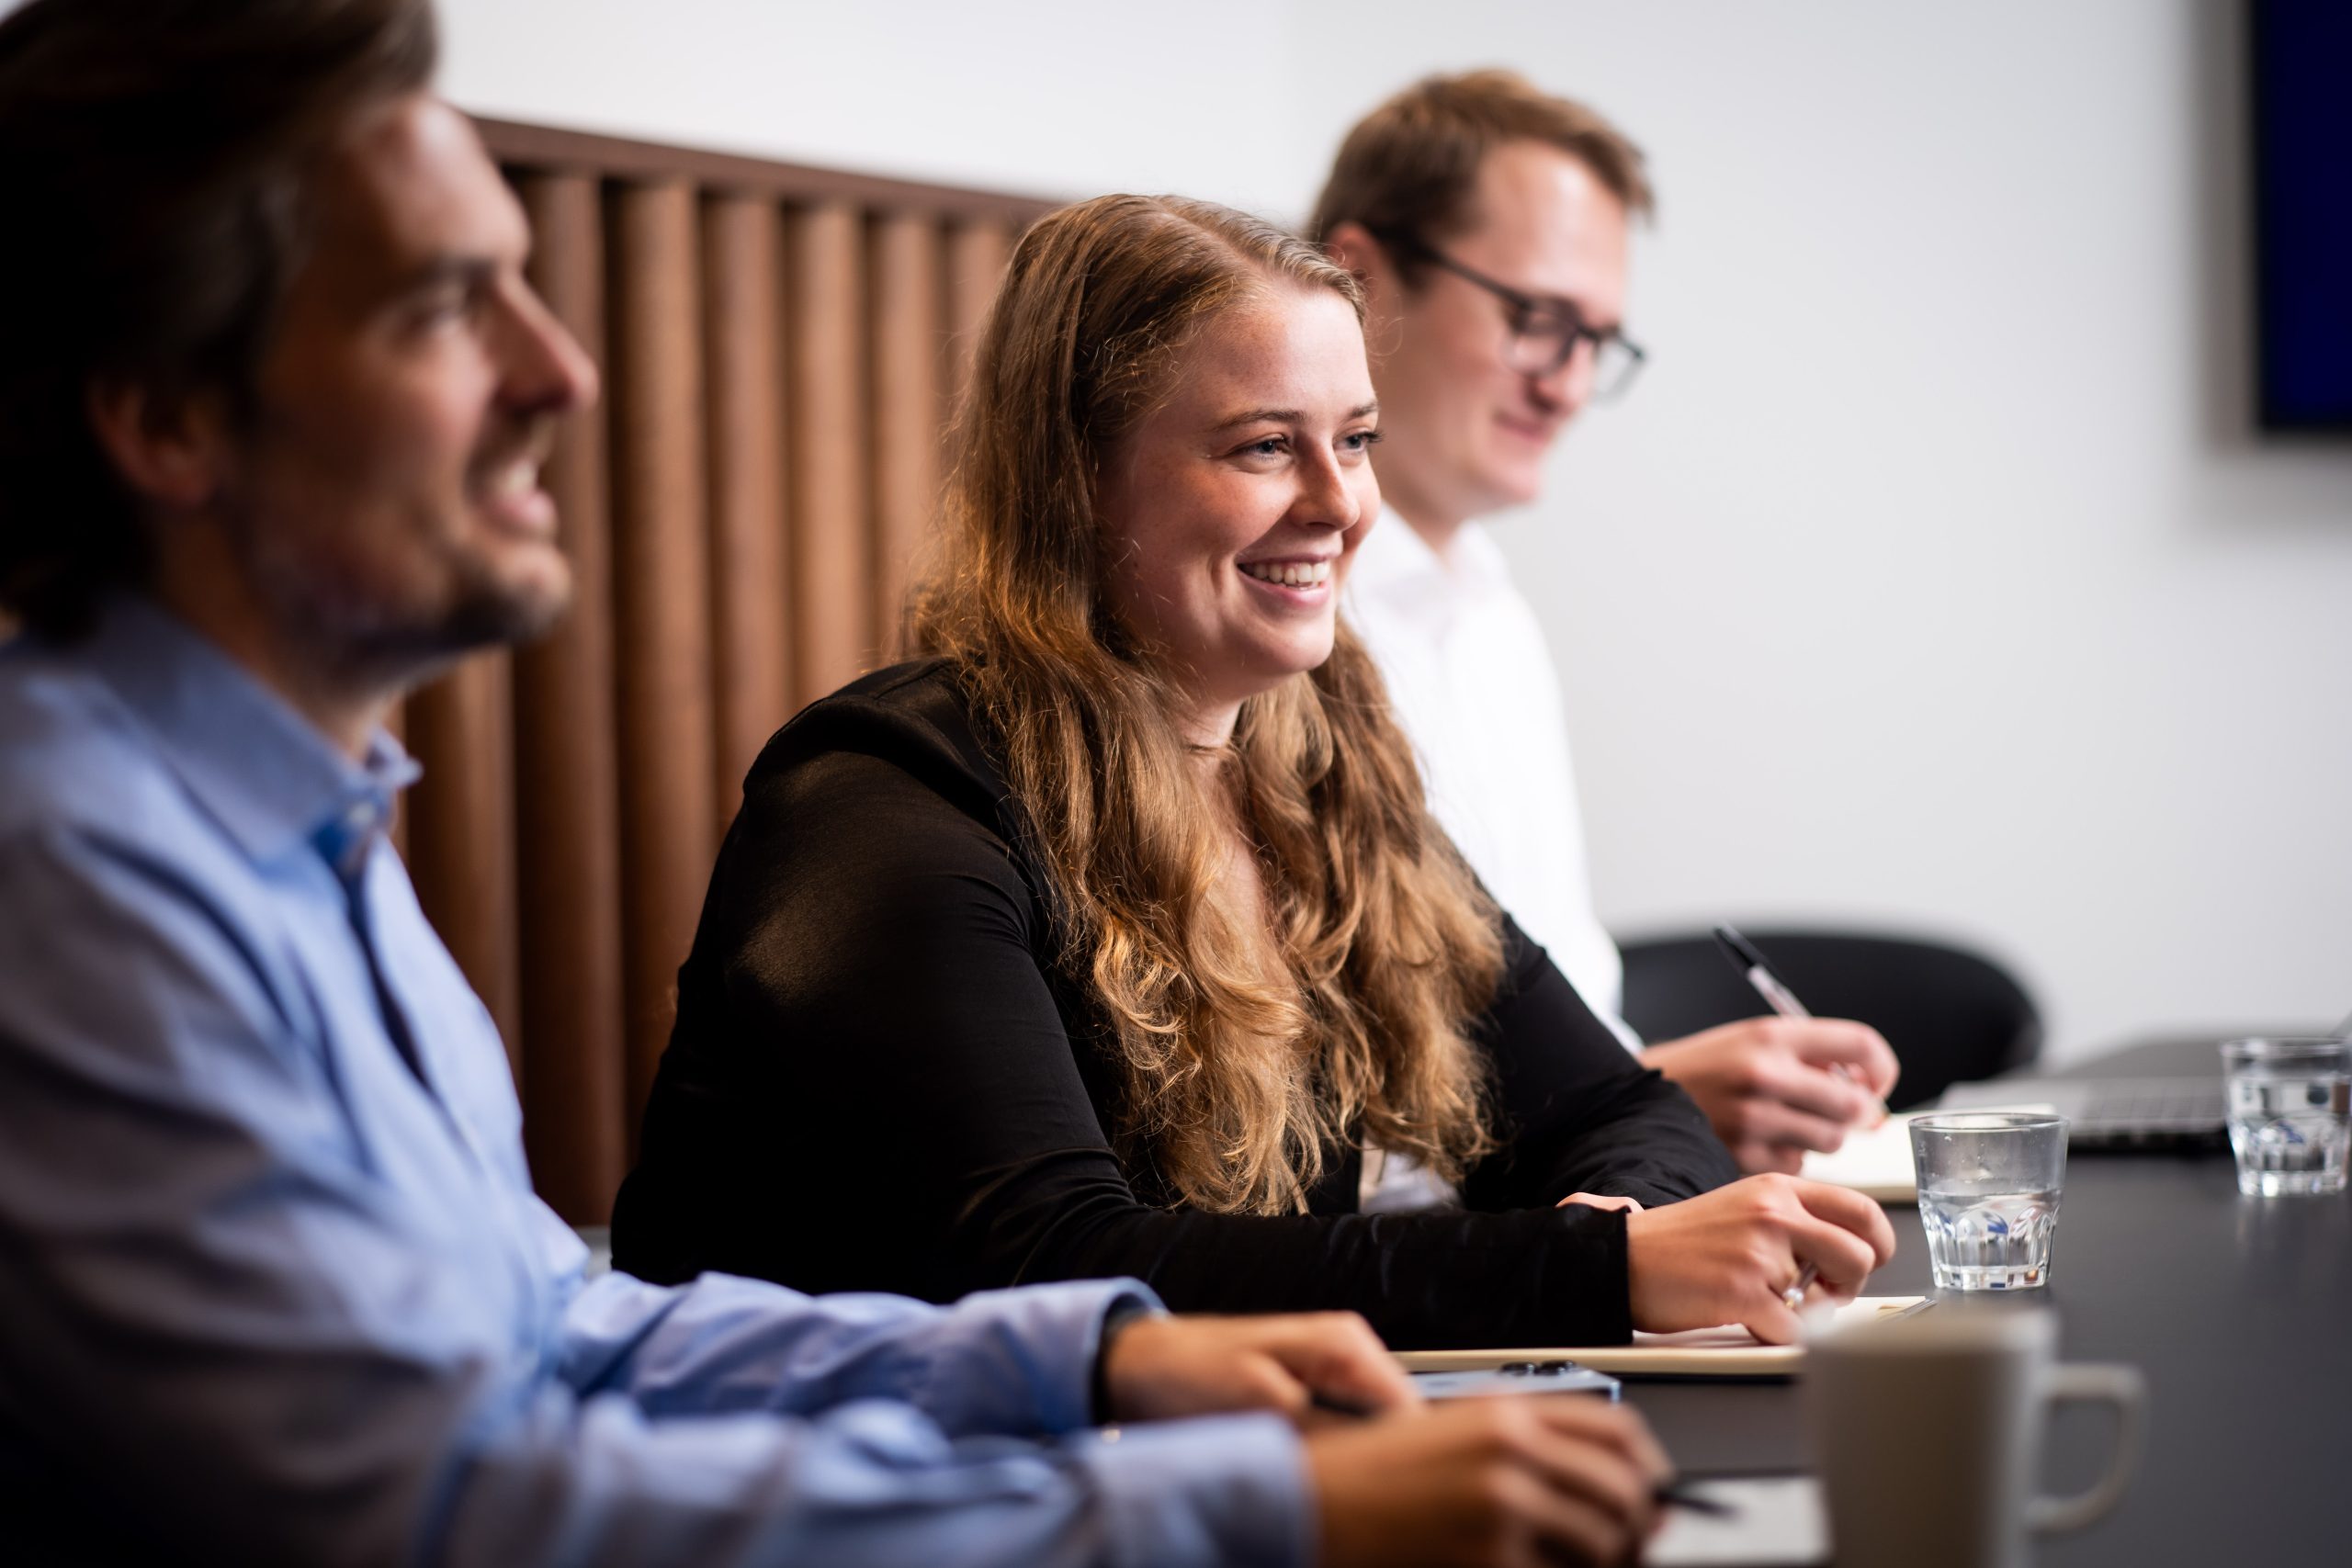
1471,679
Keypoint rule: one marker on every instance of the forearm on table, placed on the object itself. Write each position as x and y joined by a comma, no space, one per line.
1421,1280
597,1484
996,1362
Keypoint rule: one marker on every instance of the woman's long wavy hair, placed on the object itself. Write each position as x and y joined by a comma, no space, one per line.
1243,1060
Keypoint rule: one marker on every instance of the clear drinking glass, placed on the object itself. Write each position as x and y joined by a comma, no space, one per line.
2290,1113
1988,1195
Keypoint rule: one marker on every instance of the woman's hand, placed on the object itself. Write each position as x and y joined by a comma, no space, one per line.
1773,1087
1513,1482
1727,1256
1157,1369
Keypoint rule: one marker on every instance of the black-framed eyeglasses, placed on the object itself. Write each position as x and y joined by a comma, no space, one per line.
1544,333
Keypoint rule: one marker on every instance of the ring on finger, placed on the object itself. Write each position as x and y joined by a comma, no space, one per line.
1795,1295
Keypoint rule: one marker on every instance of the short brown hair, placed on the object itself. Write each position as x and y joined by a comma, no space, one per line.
154,155
1410,166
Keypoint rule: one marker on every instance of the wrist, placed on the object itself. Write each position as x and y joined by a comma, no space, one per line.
1603,1257
1124,1315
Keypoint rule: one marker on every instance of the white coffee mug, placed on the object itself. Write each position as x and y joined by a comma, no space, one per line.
1927,1431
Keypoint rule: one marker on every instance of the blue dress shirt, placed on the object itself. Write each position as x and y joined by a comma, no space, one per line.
274,1286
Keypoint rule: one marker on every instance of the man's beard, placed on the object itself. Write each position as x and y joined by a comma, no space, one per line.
370,641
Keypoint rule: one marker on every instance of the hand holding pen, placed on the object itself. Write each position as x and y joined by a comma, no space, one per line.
1759,973
1775,1088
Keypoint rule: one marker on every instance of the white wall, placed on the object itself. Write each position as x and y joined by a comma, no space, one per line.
1932,575
1054,97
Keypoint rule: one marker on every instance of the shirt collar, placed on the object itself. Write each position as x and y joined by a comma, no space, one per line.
1395,560
264,771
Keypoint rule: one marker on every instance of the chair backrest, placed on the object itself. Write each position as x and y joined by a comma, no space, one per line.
1952,1016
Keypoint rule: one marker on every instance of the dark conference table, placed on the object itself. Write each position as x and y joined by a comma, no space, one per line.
2237,1309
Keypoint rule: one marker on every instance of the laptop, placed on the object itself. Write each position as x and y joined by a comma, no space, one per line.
2115,1113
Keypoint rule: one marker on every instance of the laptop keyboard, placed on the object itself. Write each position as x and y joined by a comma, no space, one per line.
2151,1113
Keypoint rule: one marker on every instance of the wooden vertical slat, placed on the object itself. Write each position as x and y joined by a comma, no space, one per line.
908,333
575,1117
662,577
831,564
461,830
396,726
977,250
751,619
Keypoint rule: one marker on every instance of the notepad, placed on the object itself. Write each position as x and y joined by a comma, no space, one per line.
1873,1161
1776,1521
1876,1161
1728,1352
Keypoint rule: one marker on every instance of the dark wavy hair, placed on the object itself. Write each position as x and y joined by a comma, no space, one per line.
154,154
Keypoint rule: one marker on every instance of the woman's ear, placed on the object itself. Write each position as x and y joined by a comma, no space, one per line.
171,450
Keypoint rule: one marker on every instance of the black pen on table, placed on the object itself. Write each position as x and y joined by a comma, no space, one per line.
1667,1494
1679,1494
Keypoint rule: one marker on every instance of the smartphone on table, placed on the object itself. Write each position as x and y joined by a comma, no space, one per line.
1517,1377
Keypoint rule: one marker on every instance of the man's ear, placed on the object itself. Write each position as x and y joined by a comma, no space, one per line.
170,449
1372,265
1351,245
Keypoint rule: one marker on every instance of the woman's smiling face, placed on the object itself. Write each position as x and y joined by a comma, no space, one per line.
1230,512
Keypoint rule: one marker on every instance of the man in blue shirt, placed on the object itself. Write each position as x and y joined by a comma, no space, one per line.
273,395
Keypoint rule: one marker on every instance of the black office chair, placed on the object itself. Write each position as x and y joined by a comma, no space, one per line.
1952,1016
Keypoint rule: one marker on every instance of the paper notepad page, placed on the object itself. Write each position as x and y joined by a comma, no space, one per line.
1876,1161
1873,1161
1726,1352
1777,1521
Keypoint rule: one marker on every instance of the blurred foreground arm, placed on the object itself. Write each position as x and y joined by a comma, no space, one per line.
270,1300
1510,1483
1158,1367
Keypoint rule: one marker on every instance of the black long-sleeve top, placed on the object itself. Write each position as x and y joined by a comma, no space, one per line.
881,1079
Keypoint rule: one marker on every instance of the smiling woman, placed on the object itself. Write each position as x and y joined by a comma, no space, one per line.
1231,519
1106,938
1225,439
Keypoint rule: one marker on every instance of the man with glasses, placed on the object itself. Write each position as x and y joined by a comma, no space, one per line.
1488,222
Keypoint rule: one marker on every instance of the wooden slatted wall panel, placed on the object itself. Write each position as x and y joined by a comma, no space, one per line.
907,310
831,557
977,250
462,831
396,726
780,347
663,582
743,333
568,773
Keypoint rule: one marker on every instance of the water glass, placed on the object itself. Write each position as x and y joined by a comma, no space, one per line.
2290,1113
1988,1195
